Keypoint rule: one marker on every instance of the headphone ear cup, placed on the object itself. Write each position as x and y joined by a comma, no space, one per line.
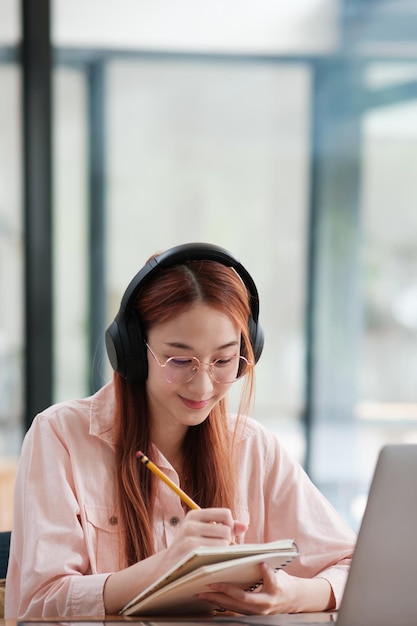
114,348
126,348
136,357
256,336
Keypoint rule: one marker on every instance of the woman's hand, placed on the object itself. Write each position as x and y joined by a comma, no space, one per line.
204,527
279,593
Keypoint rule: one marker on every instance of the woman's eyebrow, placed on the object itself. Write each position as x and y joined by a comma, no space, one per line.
231,344
184,346
177,344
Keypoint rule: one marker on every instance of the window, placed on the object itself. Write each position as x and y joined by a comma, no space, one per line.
218,152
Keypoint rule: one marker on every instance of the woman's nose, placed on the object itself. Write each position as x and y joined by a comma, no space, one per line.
202,380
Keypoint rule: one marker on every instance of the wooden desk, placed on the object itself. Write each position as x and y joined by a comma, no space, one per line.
229,620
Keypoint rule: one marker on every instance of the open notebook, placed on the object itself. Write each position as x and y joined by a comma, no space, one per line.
176,591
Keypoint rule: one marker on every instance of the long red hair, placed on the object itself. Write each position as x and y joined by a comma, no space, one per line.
207,446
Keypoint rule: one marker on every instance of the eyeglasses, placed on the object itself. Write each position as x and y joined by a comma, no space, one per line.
182,369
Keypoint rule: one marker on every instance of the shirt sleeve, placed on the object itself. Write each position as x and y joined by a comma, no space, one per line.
48,555
324,539
289,505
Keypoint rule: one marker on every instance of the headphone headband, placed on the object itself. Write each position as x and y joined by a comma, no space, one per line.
124,337
183,254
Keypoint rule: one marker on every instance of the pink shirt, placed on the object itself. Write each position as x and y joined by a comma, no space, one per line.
65,534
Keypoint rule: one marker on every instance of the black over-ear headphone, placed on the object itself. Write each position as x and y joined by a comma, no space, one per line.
125,341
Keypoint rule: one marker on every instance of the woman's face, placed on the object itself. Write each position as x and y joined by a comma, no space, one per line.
202,332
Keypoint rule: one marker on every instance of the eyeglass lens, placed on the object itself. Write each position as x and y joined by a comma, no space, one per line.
182,370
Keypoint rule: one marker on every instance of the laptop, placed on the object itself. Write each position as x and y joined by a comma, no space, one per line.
381,589
382,584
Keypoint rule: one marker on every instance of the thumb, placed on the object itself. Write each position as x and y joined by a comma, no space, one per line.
239,527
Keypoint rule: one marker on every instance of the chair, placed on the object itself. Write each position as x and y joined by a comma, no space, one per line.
4,559
4,552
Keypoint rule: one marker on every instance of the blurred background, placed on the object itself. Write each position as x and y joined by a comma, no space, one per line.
285,132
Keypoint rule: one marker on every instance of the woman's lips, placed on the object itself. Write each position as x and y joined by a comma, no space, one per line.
195,404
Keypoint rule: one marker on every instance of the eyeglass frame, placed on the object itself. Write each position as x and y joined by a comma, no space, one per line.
249,366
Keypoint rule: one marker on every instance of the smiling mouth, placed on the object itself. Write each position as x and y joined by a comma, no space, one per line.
194,404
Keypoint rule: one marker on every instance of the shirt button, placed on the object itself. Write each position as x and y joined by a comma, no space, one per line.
113,520
174,520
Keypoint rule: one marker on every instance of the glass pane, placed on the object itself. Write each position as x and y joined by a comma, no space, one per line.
254,26
218,152
11,263
70,235
387,411
9,22
11,288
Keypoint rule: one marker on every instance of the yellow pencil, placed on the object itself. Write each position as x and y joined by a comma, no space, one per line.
186,499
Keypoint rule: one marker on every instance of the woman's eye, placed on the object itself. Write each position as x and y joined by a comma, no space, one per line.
180,362
224,362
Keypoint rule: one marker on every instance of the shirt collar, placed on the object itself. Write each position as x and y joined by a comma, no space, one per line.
102,414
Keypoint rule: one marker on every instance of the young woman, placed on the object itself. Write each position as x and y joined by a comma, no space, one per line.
93,526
